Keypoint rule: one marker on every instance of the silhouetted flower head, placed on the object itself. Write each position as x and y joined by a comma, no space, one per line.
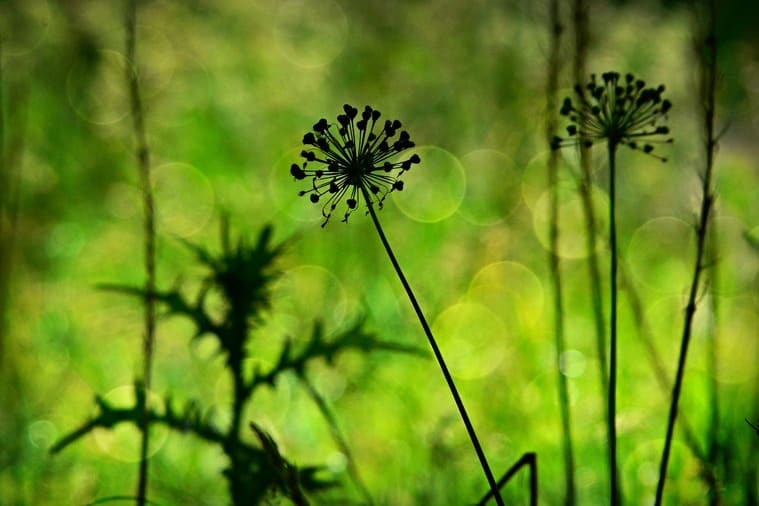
355,153
618,111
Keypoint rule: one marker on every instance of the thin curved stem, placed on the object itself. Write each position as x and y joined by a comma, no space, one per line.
143,158
612,405
339,438
436,350
709,73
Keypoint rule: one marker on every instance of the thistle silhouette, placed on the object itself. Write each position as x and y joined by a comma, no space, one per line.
620,113
357,163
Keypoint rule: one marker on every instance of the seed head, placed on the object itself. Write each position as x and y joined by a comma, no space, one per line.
618,111
346,158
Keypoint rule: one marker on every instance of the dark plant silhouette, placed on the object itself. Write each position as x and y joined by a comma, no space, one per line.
617,112
148,205
242,275
708,73
530,460
355,162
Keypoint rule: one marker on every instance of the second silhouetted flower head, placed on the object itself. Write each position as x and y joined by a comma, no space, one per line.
620,112
355,157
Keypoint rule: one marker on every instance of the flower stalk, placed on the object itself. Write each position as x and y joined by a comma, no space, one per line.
618,112
353,160
612,399
436,351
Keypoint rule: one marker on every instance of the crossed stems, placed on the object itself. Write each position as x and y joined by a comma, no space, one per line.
435,349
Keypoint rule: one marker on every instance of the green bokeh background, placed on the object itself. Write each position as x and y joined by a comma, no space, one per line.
230,87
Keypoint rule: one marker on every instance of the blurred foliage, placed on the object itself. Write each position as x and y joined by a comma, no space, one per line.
230,86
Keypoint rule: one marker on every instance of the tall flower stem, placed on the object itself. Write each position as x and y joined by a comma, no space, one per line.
435,350
612,405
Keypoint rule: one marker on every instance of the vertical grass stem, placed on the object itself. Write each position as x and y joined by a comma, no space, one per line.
143,160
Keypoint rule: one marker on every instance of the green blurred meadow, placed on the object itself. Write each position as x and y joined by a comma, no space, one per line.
229,88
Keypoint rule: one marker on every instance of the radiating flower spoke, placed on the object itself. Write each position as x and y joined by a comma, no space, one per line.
345,157
621,112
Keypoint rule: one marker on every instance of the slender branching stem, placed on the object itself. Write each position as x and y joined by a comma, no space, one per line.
707,201
143,159
708,82
612,405
339,438
555,30
435,349
713,451
662,378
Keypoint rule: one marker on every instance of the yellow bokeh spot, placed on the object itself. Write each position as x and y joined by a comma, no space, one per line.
492,187
433,189
185,196
513,292
661,254
472,338
122,441
572,220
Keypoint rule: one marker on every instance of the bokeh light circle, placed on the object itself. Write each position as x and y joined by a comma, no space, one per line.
123,200
304,295
310,33
122,441
97,90
185,198
472,339
737,261
572,363
534,175
433,189
42,434
572,221
512,291
157,62
492,187
191,90
641,471
25,27
661,253
337,462
737,346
